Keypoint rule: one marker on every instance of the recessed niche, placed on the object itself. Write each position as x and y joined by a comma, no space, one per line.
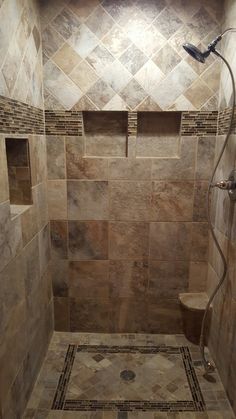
105,134
158,134
18,166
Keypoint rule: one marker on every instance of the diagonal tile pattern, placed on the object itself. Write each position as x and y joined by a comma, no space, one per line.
121,44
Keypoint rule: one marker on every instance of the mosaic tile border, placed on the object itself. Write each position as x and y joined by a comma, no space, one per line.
193,123
223,121
20,118
60,402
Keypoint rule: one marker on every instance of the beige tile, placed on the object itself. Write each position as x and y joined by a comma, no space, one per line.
198,93
130,169
170,241
4,191
130,200
38,153
82,8
128,240
57,199
84,76
128,278
66,58
197,276
116,41
41,203
172,201
99,22
59,239
56,157
199,251
87,200
61,310
29,224
88,240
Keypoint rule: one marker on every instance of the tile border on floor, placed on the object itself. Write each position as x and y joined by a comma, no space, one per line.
60,402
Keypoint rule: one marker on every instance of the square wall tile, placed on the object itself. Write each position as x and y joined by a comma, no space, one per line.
170,241
128,240
88,240
87,200
89,279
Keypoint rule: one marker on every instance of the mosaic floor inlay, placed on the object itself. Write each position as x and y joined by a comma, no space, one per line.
128,378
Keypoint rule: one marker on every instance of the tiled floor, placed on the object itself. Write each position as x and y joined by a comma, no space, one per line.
101,376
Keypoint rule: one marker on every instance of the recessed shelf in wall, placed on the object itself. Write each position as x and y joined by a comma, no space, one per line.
19,174
105,134
158,134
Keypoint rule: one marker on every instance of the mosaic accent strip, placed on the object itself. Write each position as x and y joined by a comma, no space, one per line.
62,403
199,123
223,121
63,122
20,118
194,123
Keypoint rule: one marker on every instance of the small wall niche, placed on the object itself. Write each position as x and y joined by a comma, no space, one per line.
19,175
105,134
158,134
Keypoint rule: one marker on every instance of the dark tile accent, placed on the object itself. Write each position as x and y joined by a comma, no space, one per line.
223,121
199,123
20,118
123,406
63,122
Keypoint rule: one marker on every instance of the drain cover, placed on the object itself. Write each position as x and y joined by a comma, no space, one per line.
127,375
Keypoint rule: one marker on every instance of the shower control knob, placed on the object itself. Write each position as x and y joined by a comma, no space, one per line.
228,185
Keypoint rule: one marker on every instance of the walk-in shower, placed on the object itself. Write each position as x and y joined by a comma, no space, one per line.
229,184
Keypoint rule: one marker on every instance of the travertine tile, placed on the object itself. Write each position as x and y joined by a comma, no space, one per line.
82,8
168,279
128,240
116,41
66,23
130,200
197,276
57,199
200,201
172,201
59,274
198,93
133,94
130,169
170,241
99,22
44,249
61,309
84,76
66,58
166,58
87,200
167,23
83,41
89,279
90,315
199,250
4,192
205,157
100,58
100,94
88,240
133,59
56,157
59,239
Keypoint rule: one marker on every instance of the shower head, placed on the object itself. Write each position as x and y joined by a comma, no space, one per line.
196,53
201,56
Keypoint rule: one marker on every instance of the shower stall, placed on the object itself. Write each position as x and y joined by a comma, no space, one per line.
117,220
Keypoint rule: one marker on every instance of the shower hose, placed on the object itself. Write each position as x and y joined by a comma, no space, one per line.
208,366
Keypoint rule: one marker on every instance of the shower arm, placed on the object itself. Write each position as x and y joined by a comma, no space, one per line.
212,45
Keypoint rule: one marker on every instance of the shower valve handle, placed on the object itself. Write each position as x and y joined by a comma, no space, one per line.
225,184
228,185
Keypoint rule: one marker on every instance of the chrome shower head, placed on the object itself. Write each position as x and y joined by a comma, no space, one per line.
196,53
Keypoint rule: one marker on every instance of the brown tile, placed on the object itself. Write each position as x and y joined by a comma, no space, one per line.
38,158
88,240
100,94
166,59
90,315
133,94
61,314
164,316
40,200
130,200
205,157
59,239
57,199
200,201
31,256
65,23
130,315
59,273
4,192
168,279
199,251
87,200
170,241
56,157
29,224
172,201
197,276
44,248
128,278
181,167
88,279
130,169
87,168
128,240
99,22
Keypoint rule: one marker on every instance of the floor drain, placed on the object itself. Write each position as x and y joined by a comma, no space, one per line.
127,375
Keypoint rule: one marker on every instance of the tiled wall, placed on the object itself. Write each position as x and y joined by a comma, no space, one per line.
26,310
223,328
21,51
128,222
128,55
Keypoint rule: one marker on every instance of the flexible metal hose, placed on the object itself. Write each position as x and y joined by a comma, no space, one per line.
208,365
